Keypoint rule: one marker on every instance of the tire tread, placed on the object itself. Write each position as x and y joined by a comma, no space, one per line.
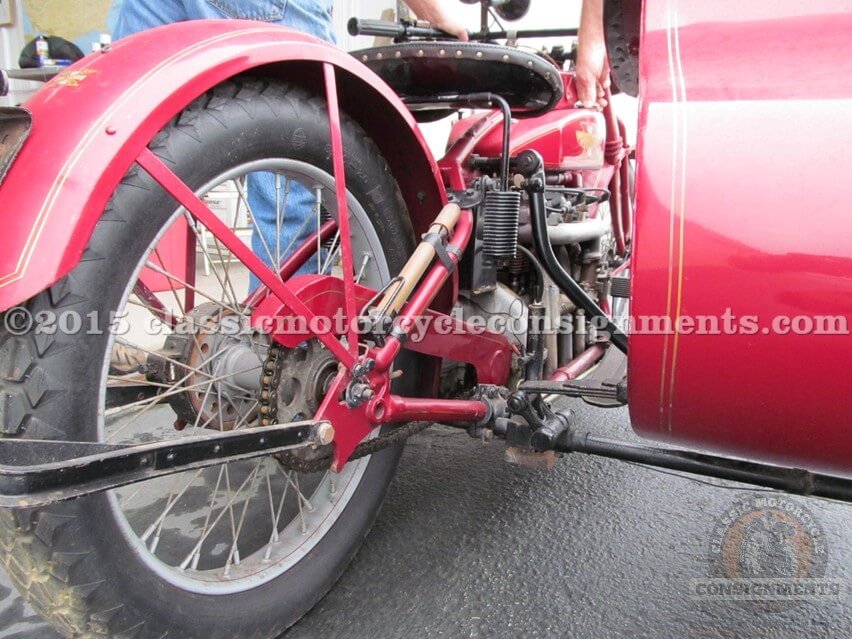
46,553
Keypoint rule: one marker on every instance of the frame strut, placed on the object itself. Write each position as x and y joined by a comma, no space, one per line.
200,211
342,208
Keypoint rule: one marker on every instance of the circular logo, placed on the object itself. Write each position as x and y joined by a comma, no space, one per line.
768,537
768,549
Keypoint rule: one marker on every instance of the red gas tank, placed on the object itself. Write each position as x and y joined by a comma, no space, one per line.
567,138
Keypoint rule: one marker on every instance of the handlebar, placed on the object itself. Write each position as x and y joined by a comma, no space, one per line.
385,29
406,30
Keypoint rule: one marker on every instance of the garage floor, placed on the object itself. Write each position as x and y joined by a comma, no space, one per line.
467,546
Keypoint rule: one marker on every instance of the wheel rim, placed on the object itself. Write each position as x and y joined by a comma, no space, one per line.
252,521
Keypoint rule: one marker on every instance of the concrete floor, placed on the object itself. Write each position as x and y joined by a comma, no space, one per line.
467,546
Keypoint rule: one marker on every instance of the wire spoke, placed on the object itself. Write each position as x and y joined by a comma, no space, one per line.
202,243
234,230
155,401
222,512
174,278
203,535
228,508
157,527
278,220
333,252
241,194
363,268
233,554
180,387
318,201
162,314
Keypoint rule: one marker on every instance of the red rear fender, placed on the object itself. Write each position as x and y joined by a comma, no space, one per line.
91,122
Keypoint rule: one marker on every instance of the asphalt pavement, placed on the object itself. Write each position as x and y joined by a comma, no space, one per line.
467,546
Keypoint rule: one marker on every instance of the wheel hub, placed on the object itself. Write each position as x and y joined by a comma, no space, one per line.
223,369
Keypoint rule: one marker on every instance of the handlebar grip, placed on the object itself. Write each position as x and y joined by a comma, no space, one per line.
380,28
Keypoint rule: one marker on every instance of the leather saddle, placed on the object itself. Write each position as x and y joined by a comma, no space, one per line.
529,83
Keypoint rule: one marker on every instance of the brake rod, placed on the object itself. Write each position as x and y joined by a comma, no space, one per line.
796,481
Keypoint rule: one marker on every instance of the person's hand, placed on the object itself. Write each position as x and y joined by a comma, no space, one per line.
439,15
591,72
448,23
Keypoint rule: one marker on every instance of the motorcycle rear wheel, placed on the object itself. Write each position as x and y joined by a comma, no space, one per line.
82,564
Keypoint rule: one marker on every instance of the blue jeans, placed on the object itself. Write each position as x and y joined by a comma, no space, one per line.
312,17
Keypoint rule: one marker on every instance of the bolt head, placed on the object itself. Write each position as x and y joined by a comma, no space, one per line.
325,433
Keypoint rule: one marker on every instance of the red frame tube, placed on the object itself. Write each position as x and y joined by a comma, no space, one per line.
347,261
626,200
579,365
423,295
353,423
141,290
410,409
621,267
294,261
189,270
613,140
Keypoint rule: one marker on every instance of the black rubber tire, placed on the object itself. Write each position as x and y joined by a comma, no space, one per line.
70,560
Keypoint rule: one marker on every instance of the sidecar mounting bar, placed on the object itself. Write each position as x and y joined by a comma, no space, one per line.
790,480
39,472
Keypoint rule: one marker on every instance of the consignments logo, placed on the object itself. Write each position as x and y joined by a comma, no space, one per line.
768,549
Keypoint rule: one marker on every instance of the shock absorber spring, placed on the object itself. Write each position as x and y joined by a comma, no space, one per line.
501,212
518,265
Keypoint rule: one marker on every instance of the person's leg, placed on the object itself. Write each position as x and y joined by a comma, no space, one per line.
310,16
139,15
295,203
297,209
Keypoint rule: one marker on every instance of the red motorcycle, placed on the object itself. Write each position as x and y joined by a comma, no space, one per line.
184,456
